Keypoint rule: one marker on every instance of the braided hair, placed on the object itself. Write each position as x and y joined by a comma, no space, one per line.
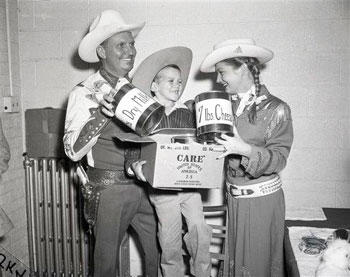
252,65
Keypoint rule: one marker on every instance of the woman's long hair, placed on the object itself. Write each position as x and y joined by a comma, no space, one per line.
252,64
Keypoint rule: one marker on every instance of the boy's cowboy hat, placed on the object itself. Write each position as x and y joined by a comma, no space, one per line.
235,48
148,69
105,25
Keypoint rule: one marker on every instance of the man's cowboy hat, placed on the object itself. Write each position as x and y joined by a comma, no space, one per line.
235,48
105,25
148,69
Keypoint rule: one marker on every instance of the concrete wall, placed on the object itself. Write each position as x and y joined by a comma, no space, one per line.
310,39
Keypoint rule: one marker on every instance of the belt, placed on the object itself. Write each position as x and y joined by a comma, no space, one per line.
107,177
255,190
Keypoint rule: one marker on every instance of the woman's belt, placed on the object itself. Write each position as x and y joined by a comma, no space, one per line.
255,190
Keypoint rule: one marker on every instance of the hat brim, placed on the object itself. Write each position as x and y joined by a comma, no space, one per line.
235,50
147,70
88,45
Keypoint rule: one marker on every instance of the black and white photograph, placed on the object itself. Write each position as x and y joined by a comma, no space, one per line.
174,138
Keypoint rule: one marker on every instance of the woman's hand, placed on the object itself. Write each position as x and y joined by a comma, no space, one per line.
107,107
234,145
137,168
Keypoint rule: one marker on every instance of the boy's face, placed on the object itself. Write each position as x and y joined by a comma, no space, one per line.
168,86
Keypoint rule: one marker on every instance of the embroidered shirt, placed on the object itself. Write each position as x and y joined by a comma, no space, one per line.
271,138
86,134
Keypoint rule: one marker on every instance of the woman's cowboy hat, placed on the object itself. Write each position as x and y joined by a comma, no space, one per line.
105,25
235,48
148,69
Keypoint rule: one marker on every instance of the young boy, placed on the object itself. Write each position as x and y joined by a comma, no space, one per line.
165,73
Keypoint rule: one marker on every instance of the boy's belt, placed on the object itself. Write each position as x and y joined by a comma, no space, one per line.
255,190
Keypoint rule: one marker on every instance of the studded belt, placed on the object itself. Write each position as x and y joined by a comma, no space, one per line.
255,190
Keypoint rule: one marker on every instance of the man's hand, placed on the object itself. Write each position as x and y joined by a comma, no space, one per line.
107,107
137,168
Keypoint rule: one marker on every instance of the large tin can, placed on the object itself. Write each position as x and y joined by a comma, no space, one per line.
185,139
137,110
214,115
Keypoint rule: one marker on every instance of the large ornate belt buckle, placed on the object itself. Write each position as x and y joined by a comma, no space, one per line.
233,190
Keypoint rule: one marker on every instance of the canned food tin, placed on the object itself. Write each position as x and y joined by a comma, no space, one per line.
185,139
137,110
214,115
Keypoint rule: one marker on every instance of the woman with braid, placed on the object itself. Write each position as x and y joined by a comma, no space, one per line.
256,153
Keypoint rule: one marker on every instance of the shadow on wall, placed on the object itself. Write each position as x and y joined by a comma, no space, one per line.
79,64
200,76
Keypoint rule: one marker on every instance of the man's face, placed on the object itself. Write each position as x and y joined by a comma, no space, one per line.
169,86
118,54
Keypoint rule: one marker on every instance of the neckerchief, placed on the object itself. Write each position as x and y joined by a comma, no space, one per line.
247,99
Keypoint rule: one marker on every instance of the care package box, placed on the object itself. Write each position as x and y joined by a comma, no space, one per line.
44,132
178,165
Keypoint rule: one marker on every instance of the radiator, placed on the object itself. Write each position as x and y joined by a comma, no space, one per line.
59,244
58,239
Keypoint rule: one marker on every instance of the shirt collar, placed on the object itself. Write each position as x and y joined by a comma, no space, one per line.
240,95
110,78
178,105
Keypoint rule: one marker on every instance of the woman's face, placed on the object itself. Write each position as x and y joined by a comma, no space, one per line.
229,76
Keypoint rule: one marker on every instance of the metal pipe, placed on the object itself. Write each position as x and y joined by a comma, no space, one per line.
47,216
39,218
55,214
33,259
74,223
65,216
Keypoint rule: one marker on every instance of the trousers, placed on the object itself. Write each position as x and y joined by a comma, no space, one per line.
122,206
170,206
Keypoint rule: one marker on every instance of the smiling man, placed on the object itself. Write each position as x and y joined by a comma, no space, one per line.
112,200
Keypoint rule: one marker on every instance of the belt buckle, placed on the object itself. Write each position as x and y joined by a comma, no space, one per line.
230,190
234,191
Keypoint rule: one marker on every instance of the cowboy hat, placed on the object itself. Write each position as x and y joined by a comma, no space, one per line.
235,48
148,69
105,25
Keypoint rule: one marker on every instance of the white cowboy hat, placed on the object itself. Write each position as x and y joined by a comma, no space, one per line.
105,25
235,48
148,69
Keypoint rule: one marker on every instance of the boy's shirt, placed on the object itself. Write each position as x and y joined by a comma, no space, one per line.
179,117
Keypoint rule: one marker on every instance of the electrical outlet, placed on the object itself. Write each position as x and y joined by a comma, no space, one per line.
11,104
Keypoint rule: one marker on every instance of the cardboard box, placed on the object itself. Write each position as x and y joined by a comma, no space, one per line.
44,132
177,165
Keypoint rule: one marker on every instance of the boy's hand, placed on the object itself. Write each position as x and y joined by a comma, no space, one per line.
137,168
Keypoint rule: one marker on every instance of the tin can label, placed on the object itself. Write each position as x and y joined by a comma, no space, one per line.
214,111
131,107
